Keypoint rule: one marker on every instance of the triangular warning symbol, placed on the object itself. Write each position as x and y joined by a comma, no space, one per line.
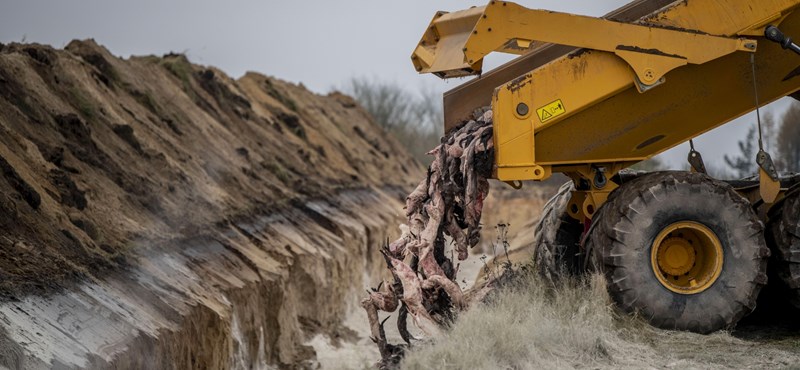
546,114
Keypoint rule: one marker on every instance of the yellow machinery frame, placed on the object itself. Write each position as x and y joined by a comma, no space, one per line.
631,92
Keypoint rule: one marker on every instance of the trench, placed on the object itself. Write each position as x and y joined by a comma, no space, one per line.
249,297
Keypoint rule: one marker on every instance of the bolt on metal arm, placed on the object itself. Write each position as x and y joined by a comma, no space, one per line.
772,33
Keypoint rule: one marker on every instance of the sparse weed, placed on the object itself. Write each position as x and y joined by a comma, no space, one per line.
277,169
533,324
146,99
529,326
179,66
82,103
275,94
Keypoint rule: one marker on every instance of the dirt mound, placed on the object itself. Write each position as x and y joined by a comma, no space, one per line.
104,159
97,152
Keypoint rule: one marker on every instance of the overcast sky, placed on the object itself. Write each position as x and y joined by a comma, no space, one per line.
319,43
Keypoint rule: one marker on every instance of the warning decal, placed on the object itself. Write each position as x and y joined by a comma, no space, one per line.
551,111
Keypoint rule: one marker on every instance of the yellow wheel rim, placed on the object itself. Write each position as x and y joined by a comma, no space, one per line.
686,257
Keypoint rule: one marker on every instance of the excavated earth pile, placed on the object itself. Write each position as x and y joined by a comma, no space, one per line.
158,214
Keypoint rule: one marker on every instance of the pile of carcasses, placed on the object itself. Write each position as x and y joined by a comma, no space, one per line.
444,213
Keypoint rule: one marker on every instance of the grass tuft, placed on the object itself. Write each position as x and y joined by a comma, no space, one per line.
528,326
535,325
147,100
277,95
82,103
278,170
179,66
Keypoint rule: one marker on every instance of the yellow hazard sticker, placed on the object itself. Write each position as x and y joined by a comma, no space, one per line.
551,111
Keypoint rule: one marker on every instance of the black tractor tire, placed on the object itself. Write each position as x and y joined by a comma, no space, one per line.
783,238
557,252
625,228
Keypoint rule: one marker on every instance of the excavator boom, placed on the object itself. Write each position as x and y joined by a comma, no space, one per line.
631,90
460,101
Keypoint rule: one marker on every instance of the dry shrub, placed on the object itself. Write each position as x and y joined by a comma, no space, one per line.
415,118
533,325
528,326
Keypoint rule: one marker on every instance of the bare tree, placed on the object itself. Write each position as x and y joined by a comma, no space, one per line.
388,104
788,140
416,120
770,127
744,164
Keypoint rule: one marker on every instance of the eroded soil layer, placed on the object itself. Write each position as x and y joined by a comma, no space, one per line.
152,206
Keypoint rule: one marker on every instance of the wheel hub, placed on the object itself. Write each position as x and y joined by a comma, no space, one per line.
676,257
687,257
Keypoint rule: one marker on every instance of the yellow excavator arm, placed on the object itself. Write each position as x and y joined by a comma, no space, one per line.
510,28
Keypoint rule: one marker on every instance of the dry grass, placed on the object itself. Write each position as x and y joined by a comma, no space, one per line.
574,325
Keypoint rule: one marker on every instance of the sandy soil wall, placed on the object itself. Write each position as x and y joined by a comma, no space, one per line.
157,214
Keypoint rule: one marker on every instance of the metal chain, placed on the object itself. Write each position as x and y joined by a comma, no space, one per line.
755,90
763,159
